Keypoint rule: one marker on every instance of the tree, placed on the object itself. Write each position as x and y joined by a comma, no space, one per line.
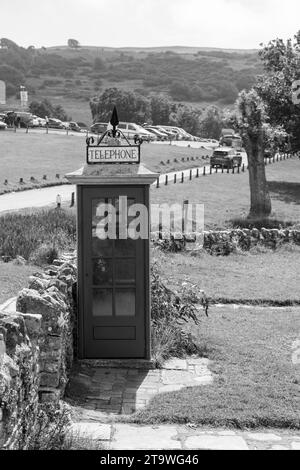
211,123
8,44
180,90
160,110
73,43
252,123
41,108
131,107
281,62
188,119
45,108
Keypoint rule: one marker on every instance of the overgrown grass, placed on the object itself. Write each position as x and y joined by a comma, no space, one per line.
255,383
23,234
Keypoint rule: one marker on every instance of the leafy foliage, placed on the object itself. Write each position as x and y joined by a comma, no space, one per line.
281,62
211,122
49,430
169,313
45,108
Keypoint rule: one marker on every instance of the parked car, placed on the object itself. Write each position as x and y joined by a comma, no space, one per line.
99,127
36,121
73,126
159,134
55,123
3,126
133,131
225,157
171,134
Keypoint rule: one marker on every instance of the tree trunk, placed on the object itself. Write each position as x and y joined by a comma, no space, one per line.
259,192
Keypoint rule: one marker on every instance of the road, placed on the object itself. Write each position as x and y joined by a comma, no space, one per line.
46,196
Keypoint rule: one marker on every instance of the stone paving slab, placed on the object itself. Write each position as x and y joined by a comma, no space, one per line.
121,436
129,437
94,431
206,442
125,390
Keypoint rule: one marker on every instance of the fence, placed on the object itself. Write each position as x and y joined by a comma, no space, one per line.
189,174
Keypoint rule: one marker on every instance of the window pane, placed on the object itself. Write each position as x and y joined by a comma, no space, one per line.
125,271
101,247
102,271
101,208
102,302
125,302
125,247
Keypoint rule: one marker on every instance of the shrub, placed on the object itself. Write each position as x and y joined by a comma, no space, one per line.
50,428
169,314
44,254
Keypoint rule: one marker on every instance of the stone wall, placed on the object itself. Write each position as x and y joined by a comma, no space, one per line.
36,349
226,242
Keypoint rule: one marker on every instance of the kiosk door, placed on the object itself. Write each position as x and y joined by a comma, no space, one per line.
113,274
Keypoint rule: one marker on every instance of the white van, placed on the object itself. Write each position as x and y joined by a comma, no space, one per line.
132,130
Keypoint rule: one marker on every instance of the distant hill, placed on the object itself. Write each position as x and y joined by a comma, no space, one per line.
69,77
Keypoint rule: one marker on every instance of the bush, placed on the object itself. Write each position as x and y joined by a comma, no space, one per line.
50,428
44,254
169,314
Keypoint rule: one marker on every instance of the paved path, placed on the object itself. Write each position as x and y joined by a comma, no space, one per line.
35,197
123,436
115,390
99,396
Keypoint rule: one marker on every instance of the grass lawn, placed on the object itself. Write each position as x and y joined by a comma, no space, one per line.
255,382
13,278
227,196
37,154
271,277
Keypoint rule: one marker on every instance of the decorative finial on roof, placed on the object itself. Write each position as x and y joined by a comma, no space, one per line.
114,121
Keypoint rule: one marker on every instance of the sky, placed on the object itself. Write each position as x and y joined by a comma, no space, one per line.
233,24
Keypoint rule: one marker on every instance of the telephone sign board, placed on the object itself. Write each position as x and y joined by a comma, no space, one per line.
116,154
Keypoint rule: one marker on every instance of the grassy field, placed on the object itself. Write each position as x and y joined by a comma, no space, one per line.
37,154
255,382
227,196
13,278
270,277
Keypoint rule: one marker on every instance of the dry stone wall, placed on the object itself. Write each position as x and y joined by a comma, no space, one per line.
226,242
36,349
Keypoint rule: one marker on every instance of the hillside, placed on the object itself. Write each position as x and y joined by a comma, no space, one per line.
70,76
